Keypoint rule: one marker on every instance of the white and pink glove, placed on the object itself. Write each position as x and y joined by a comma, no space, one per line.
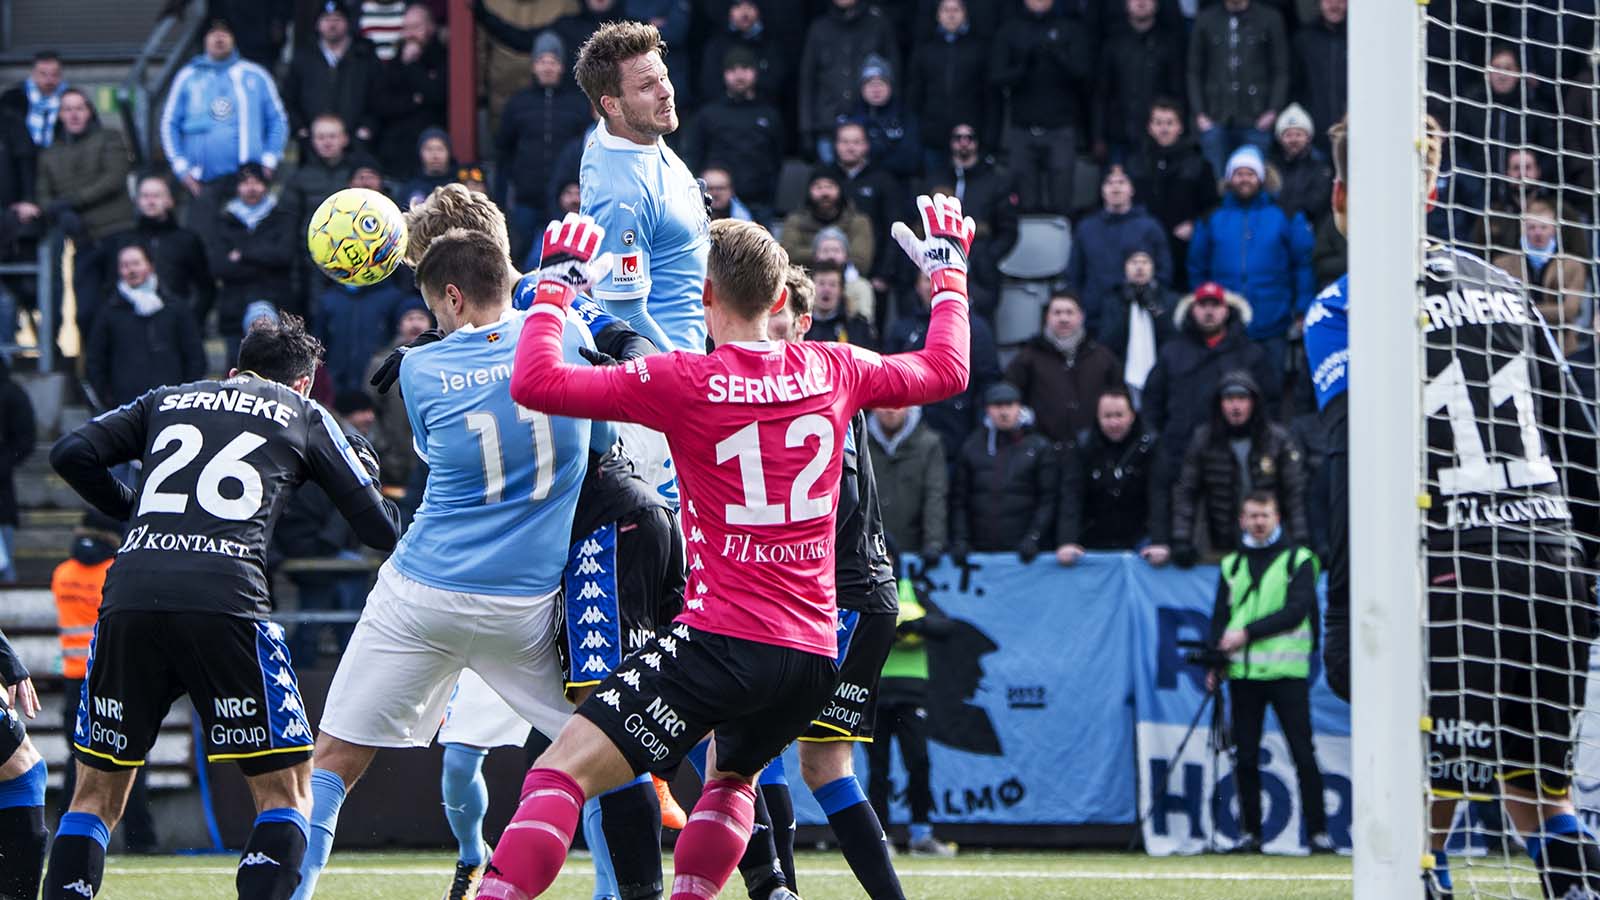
568,263
942,255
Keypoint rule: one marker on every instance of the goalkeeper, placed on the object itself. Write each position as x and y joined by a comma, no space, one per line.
1511,520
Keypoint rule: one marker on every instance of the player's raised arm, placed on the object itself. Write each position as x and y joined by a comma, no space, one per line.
541,379
942,368
84,457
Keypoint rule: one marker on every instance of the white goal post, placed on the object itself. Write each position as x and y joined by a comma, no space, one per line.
1387,631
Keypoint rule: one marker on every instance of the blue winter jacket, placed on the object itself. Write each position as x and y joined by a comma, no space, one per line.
353,323
221,115
1259,252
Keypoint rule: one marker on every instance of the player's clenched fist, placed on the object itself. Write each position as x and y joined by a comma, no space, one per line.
567,262
942,255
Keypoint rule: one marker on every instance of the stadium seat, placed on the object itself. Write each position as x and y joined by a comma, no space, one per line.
793,180
1017,317
1043,245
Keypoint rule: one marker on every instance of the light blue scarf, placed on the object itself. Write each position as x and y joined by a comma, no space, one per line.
252,216
42,111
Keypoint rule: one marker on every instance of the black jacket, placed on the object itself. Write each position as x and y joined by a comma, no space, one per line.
882,198
1321,83
1112,329
1176,185
773,70
947,84
17,438
1178,394
312,87
262,271
836,45
989,196
744,136
1307,184
1210,475
1004,490
534,126
1112,494
1063,392
407,98
129,354
180,261
1238,65
1043,62
852,329
1136,68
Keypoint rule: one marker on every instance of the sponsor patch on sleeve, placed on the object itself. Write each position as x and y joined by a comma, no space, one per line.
629,271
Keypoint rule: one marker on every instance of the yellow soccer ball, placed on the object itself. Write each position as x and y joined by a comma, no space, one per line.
357,236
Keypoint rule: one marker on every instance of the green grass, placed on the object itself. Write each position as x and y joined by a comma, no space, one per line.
823,876
972,876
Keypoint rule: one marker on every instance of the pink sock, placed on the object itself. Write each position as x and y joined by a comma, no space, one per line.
534,846
715,838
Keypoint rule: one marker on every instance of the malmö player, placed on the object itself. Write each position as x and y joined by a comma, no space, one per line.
758,429
186,602
22,779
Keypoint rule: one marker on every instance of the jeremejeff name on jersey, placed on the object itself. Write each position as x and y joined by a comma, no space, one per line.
460,381
225,400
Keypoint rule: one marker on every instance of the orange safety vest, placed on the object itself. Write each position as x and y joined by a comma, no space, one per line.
77,589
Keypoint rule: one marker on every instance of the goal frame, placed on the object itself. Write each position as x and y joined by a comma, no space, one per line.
1389,815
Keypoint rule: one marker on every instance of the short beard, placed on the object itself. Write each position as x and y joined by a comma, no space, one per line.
644,126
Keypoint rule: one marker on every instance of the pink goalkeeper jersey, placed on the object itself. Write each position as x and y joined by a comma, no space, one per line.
757,434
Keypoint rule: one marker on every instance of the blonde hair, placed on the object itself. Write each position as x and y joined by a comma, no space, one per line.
452,206
746,265
802,293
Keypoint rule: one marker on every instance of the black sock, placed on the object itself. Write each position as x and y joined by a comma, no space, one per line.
269,868
631,819
865,848
77,861
22,840
781,807
759,866
1567,862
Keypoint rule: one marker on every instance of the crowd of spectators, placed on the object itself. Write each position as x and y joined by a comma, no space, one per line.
1182,141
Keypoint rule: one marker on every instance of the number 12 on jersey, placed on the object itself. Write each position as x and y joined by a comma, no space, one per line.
543,446
744,446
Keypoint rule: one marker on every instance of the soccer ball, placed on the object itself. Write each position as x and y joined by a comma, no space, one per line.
357,236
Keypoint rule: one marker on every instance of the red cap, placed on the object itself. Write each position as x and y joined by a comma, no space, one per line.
1210,291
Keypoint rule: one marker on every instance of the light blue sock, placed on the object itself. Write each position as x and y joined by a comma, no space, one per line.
605,877
327,795
26,789
697,758
466,799
638,318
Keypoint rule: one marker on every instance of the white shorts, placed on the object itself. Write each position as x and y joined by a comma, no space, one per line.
412,643
477,717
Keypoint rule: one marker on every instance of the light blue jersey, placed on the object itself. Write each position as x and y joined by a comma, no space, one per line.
496,516
655,221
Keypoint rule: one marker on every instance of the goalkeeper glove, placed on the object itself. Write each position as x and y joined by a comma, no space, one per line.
389,372
942,254
570,260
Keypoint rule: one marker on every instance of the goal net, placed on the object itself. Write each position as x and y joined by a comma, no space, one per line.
1504,464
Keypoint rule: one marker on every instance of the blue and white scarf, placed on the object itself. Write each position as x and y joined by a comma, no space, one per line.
252,216
42,111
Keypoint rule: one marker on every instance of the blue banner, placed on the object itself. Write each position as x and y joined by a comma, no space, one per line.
1063,694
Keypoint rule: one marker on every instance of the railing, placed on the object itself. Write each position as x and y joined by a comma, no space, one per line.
46,268
139,88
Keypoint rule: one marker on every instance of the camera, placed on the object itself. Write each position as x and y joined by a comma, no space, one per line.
1204,655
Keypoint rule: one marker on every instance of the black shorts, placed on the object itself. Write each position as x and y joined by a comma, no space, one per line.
12,731
623,584
1508,660
662,700
864,642
236,672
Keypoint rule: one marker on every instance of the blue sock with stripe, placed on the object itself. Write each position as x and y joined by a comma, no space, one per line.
1566,855
774,773
1441,870
78,856
605,878
860,834
466,799
327,796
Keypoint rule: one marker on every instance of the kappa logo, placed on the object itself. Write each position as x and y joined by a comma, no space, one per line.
296,729
594,664
670,645
291,704
698,563
589,566
610,698
630,677
590,547
257,859
283,679
79,887
680,631
696,604
592,616
593,640
275,631
591,591
653,660
696,536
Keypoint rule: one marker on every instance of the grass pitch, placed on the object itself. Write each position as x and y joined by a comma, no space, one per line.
823,876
